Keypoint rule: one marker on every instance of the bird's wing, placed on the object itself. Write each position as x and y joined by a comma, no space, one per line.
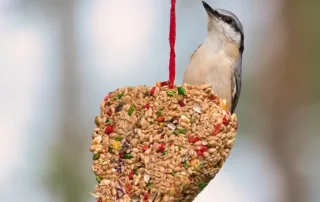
195,51
236,84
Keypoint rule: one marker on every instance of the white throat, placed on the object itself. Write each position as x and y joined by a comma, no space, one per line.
215,41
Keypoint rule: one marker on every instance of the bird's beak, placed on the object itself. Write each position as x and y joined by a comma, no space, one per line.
211,12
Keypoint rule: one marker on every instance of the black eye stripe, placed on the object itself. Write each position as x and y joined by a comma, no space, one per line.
227,19
235,27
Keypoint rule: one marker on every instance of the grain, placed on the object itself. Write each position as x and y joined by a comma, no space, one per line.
154,144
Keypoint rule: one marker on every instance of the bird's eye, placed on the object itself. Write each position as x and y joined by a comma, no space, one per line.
228,20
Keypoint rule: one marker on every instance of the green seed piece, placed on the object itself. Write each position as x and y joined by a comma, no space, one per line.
173,173
127,156
131,110
110,150
171,92
185,165
180,147
98,178
183,131
107,120
118,138
180,131
159,113
120,96
202,185
181,91
164,153
96,156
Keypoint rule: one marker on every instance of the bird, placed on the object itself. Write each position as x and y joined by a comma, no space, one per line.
218,60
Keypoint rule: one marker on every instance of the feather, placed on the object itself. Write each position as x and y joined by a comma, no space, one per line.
236,84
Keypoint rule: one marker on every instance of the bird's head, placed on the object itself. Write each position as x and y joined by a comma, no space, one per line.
225,24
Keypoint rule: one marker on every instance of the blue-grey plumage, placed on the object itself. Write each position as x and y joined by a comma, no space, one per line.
218,60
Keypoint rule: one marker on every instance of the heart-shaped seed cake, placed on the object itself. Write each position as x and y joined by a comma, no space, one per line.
157,144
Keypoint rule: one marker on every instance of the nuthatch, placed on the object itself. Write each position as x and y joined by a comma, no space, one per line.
218,60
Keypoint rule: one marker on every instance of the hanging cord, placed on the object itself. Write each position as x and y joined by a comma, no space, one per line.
172,41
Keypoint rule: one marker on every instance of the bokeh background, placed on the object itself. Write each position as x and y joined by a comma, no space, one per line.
59,58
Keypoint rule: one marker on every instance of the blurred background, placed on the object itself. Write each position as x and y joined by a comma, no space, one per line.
59,58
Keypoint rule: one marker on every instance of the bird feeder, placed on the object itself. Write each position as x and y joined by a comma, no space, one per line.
161,143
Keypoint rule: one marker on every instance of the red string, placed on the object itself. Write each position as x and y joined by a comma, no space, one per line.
172,40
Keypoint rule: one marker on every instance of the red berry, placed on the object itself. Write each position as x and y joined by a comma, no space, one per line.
121,154
109,112
213,97
193,139
109,129
152,91
204,149
182,103
160,119
217,130
145,148
199,153
162,147
128,188
225,121
147,106
131,175
164,83
107,97
146,196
